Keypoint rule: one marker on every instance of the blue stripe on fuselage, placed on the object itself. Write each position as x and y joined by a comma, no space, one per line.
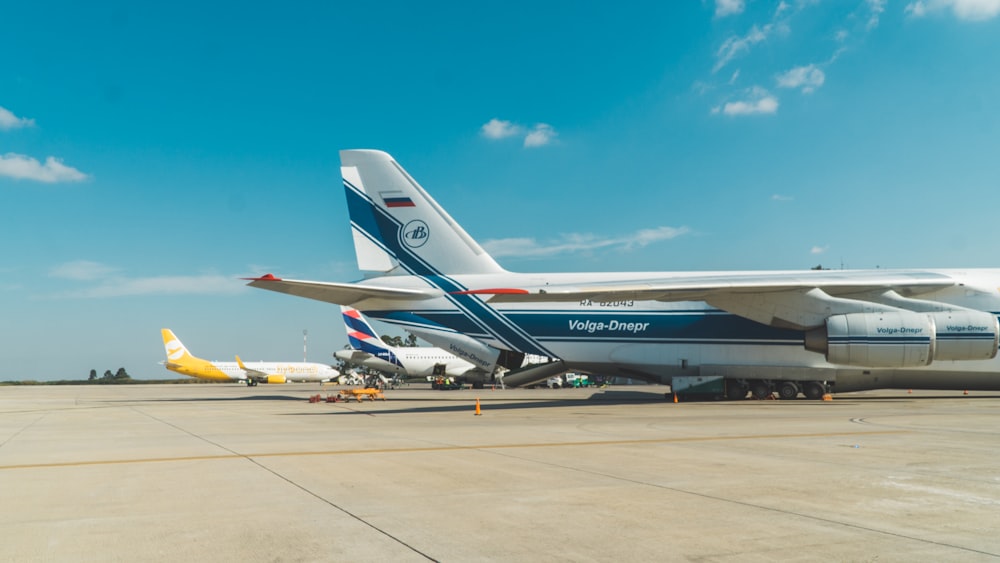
698,326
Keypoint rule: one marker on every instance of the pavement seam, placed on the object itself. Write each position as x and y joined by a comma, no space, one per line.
236,455
745,504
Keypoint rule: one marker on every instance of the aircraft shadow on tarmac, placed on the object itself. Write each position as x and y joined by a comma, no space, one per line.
457,403
465,402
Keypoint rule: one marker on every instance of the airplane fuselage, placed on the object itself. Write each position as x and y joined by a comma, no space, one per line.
412,362
231,371
657,340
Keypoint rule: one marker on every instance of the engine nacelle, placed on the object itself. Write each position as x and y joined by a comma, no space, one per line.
966,335
889,340
275,379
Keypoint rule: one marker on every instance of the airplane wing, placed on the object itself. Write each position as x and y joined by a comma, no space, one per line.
799,300
700,288
340,293
251,373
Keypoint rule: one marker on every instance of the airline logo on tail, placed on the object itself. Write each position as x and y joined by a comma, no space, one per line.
362,336
175,350
416,233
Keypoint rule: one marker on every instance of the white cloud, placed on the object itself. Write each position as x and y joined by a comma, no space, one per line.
500,129
818,249
916,9
10,121
875,7
968,10
809,77
779,197
541,134
21,167
83,270
725,8
575,243
701,87
164,285
645,237
734,45
110,283
759,101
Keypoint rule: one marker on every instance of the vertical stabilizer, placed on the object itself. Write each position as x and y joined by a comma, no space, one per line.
362,336
177,353
396,223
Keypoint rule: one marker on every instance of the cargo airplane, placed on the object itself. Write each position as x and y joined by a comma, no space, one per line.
180,360
761,332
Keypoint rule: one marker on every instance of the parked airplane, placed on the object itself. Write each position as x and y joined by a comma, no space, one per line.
180,360
410,361
784,331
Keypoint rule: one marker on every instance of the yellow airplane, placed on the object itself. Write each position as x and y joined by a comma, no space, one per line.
180,360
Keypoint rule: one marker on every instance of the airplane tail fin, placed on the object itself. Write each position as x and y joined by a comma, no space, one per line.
398,228
177,353
361,334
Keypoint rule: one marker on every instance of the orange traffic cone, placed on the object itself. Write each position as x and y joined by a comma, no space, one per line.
478,411
966,392
675,397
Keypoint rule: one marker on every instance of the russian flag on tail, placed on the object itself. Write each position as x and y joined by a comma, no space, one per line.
396,199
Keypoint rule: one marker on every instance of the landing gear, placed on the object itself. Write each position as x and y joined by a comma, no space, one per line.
788,390
736,390
760,390
814,390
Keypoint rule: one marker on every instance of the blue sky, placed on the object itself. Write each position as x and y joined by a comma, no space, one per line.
152,155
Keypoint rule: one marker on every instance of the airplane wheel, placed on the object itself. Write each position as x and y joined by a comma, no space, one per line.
813,390
760,390
735,391
788,390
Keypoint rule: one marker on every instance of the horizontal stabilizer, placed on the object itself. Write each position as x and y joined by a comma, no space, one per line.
352,356
340,293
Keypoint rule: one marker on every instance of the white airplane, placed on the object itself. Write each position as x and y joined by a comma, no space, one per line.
368,350
180,360
784,331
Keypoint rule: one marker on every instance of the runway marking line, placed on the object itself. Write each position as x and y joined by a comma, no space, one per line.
450,448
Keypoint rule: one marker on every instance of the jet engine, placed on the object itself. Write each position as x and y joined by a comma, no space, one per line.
275,379
901,339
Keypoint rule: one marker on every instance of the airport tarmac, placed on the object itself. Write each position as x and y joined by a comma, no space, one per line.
231,473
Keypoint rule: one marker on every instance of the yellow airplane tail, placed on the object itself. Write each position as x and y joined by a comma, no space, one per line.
182,361
177,353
